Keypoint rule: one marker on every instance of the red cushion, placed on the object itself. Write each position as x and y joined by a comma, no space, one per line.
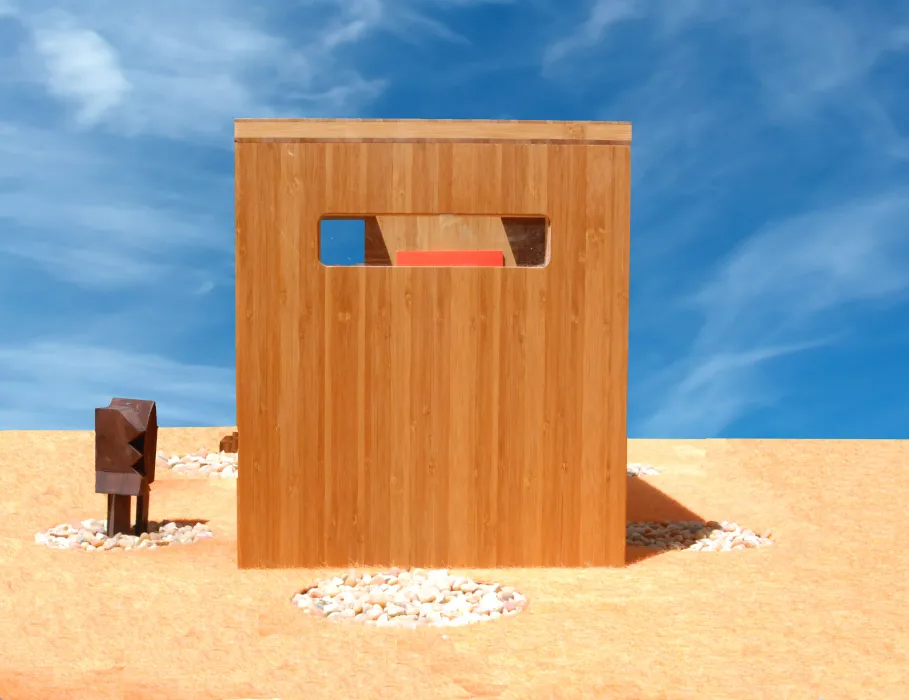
450,258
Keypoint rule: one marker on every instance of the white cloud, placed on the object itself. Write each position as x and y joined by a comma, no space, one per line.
186,71
58,384
806,265
808,54
604,15
807,58
703,395
82,68
87,218
774,296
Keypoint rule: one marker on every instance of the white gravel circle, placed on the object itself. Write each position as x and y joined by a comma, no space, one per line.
409,599
201,463
91,536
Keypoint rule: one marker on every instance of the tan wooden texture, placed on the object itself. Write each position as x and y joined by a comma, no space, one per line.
431,416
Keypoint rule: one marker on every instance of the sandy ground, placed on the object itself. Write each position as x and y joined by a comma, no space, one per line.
820,614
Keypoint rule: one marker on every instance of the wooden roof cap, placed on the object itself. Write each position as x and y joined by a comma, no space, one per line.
464,130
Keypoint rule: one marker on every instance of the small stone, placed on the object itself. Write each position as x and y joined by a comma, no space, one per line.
428,595
491,603
393,609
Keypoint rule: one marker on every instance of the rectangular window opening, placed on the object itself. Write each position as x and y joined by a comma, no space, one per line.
403,240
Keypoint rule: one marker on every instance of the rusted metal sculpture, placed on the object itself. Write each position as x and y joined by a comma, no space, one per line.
230,443
126,437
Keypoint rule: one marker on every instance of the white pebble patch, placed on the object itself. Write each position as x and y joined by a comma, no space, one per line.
409,599
695,535
201,464
640,469
91,536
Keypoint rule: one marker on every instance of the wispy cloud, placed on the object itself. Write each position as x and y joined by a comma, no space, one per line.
801,71
81,68
780,292
101,229
604,15
701,396
77,378
804,266
184,72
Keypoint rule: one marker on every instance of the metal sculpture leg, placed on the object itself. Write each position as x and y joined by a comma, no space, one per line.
117,514
142,512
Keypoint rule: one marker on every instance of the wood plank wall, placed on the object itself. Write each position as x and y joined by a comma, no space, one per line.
471,417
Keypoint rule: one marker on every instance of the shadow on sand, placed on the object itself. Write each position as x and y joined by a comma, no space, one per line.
648,503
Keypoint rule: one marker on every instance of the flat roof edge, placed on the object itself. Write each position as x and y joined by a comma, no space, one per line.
476,130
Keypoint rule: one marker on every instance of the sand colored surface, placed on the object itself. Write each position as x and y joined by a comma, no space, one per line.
823,613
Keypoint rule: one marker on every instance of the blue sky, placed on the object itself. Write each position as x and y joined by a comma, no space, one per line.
770,212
